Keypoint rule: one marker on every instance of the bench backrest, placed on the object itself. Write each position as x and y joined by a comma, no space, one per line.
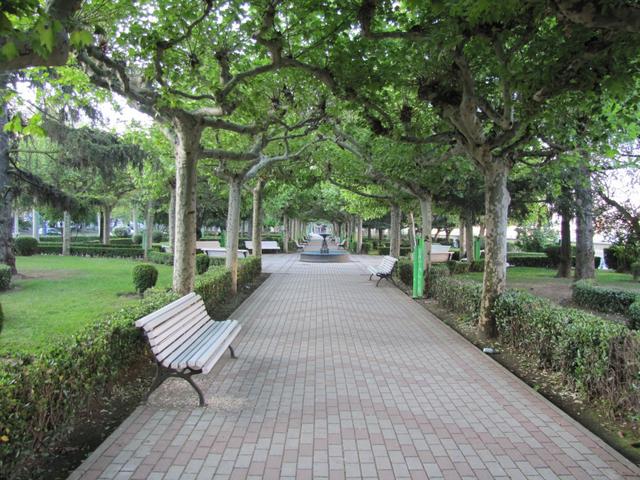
437,248
175,324
387,264
207,244
265,244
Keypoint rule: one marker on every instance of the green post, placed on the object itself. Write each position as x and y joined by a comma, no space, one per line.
476,248
418,270
223,239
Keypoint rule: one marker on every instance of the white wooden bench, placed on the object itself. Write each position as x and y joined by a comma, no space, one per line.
440,253
384,270
343,244
265,244
185,341
213,249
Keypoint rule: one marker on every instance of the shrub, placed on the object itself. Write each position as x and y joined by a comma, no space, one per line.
202,263
248,270
136,239
41,396
145,276
597,356
214,286
5,277
404,251
460,296
620,257
121,232
536,239
161,258
458,267
26,246
601,299
634,315
405,271
115,251
435,272
477,266
157,237
635,270
120,242
531,259
217,261
1,318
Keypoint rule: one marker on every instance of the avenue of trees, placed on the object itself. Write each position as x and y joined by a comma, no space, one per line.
449,112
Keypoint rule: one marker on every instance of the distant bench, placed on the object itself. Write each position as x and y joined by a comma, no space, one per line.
440,253
384,270
185,341
213,249
265,244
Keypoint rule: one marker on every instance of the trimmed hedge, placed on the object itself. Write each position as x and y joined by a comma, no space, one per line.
202,263
601,359
25,246
404,251
404,271
41,396
5,277
248,270
1,318
459,296
97,251
602,299
530,259
161,258
145,277
634,315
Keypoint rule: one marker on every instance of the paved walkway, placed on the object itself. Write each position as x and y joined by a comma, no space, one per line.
336,378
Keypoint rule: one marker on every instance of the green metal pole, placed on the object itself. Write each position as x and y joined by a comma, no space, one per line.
421,267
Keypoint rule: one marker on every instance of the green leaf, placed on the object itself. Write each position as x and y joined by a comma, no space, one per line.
45,34
81,38
9,50
14,125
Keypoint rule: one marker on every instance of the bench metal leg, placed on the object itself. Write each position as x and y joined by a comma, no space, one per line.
233,353
370,276
163,373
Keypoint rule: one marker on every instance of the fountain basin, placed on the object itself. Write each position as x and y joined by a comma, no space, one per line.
334,256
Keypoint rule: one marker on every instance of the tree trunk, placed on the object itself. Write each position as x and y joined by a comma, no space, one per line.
16,223
172,219
359,235
35,224
426,212
368,233
134,220
106,220
187,147
148,222
380,236
564,266
66,233
396,216
285,231
461,244
256,234
468,237
233,229
412,232
6,240
497,201
585,268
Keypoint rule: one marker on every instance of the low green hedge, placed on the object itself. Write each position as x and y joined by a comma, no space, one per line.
634,315
248,270
202,263
459,296
404,271
161,258
601,299
25,246
145,277
5,277
41,396
404,251
530,259
97,251
601,359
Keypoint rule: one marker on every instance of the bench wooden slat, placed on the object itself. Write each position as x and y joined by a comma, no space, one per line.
199,357
158,325
182,356
184,342
159,344
144,321
223,347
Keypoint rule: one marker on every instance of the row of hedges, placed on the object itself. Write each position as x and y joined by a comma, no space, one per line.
405,269
598,358
611,300
99,251
550,259
621,257
40,396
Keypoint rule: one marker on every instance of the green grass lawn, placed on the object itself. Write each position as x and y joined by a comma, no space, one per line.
60,295
532,275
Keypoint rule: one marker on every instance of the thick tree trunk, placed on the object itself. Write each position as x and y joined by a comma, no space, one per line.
6,239
187,148
172,219
35,224
106,220
148,222
134,220
564,267
497,201
256,234
358,235
16,223
285,230
468,237
394,233
233,229
585,268
426,212
461,244
66,233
